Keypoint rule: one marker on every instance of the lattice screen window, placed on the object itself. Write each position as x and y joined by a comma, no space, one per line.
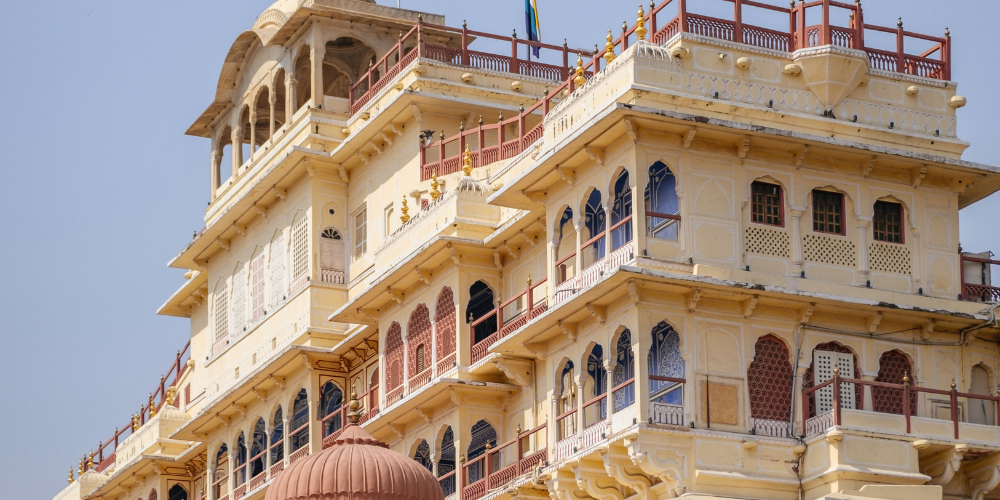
257,287
361,232
221,312
886,225
277,265
300,248
827,250
767,241
823,363
765,204
828,212
889,258
239,304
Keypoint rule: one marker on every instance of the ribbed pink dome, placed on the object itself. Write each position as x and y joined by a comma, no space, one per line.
356,467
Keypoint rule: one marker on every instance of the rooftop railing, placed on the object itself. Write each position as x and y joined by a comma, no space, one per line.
489,143
504,327
102,460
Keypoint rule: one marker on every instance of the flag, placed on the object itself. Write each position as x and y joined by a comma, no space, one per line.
531,23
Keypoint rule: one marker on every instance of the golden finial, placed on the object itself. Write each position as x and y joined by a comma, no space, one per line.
152,406
953,385
135,422
899,23
461,458
405,211
906,378
71,474
171,394
609,49
434,186
518,430
947,32
836,370
354,408
80,472
529,280
580,79
90,461
467,165
640,25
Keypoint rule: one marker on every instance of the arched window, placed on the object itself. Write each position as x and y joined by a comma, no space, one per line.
279,291
769,382
445,323
280,95
596,387
303,70
300,252
665,361
887,222
595,220
223,169
483,436
567,401
152,494
331,257
372,404
893,366
239,303
221,317
221,470
481,303
258,447
258,287
566,247
346,60
277,437
624,372
446,465
240,465
621,208
262,126
981,411
394,352
847,359
418,335
423,455
330,401
177,492
662,208
299,435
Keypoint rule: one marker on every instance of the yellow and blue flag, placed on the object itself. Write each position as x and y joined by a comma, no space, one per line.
531,23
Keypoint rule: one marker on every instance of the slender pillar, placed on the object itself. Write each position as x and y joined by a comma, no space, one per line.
638,217
316,60
864,272
580,400
916,259
554,427
608,247
552,273
434,355
291,88
797,259
579,255
216,171
253,130
284,440
272,98
237,140
610,365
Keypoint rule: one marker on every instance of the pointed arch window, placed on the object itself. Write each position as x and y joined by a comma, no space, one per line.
567,402
621,211
624,375
596,409
277,448
394,353
566,247
893,367
766,206
299,436
887,222
445,322
418,335
422,455
446,465
258,288
661,203
769,382
258,448
484,438
665,362
177,492
482,306
595,220
848,364
240,465
330,401
221,471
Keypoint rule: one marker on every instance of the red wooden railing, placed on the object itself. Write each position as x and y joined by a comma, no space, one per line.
102,461
978,292
491,144
521,464
906,393
506,327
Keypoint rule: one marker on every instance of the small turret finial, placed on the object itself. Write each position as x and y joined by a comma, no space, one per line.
906,378
609,49
405,211
90,461
467,164
947,32
80,472
71,474
836,370
171,394
953,385
434,186
899,23
152,406
579,80
640,25
354,408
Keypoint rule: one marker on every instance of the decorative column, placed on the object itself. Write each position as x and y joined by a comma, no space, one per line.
797,260
272,98
682,229
550,266
434,349
216,170
291,88
209,481
915,258
580,421
312,435
609,366
554,426
267,452
607,235
434,464
237,143
253,130
638,218
863,271
579,256
316,62
284,439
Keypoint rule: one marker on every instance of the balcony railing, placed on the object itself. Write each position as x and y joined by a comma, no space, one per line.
488,472
506,327
898,399
982,289
338,418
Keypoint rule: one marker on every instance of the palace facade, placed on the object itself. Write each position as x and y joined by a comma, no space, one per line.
707,259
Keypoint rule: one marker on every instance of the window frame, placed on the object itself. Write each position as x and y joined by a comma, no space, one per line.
900,214
843,211
781,204
360,232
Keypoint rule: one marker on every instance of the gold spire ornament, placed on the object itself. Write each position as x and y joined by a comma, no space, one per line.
135,422
71,474
580,79
434,186
90,461
640,25
405,211
609,49
354,408
80,472
171,394
152,406
467,165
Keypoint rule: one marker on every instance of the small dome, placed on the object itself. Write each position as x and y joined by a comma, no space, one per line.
356,467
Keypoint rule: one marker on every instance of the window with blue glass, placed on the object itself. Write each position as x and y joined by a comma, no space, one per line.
661,204
665,361
624,375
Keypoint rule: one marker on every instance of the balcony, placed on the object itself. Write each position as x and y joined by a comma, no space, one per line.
500,466
977,282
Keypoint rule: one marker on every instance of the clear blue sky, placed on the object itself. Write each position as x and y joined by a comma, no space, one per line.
102,187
